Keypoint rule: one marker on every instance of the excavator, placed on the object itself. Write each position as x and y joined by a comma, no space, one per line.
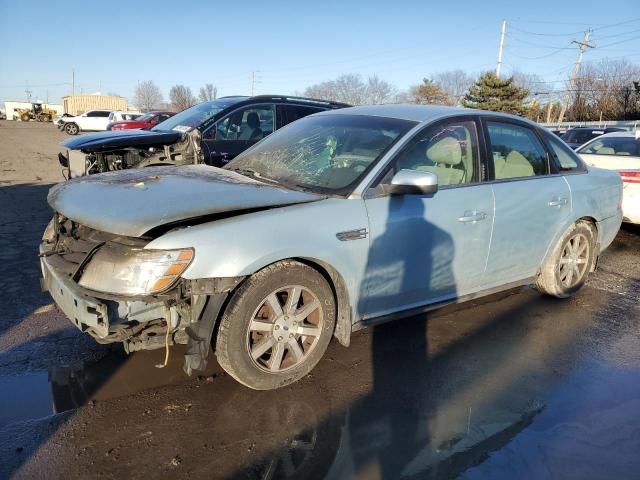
37,113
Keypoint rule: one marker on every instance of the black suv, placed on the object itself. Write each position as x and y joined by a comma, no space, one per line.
210,132
580,135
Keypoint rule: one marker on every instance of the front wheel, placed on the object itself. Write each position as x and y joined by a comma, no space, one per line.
277,326
71,129
567,268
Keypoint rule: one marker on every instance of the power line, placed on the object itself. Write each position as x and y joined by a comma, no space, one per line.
583,45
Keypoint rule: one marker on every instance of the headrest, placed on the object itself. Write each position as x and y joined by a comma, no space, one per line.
253,120
446,151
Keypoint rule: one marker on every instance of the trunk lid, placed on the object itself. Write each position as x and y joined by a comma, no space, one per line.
132,202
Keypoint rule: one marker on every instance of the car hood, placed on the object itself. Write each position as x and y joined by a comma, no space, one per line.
100,142
133,202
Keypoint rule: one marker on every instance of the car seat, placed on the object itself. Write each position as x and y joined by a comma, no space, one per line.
253,130
514,166
446,155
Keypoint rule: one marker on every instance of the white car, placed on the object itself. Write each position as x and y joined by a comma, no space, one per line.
120,115
619,151
92,120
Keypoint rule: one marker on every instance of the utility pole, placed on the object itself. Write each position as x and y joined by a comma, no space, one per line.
254,79
27,91
73,81
504,30
549,108
576,69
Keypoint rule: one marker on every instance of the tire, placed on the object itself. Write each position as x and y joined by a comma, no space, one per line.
71,129
566,269
25,117
257,337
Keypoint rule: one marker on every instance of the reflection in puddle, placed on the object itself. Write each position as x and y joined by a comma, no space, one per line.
24,397
40,394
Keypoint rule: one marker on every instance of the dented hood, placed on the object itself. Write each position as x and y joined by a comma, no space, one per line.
132,202
105,141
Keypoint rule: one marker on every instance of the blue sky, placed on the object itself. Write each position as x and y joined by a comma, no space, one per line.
291,44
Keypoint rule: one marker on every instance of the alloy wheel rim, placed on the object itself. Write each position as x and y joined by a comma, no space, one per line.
574,260
284,329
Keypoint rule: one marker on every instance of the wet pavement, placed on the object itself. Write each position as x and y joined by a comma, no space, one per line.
516,385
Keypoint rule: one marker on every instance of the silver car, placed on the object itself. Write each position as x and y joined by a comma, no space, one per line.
340,220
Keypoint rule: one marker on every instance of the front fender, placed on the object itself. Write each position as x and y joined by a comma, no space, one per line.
241,245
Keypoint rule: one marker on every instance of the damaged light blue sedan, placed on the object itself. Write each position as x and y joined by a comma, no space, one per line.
340,220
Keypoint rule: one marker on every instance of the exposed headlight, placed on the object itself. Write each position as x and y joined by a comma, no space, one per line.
124,270
49,234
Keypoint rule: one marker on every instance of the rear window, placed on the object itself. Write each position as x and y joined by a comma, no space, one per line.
581,136
623,146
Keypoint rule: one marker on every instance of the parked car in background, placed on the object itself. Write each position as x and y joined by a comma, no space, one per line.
122,116
210,132
92,120
58,122
575,137
144,121
619,151
343,219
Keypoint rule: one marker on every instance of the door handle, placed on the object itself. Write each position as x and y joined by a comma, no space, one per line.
558,202
472,217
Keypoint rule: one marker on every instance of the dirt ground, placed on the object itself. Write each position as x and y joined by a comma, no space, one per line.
516,385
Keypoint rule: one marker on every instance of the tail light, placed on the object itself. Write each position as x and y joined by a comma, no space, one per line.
630,177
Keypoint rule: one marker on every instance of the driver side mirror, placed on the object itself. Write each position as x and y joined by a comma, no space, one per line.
413,182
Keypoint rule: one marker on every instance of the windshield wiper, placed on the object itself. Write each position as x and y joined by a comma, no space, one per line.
249,172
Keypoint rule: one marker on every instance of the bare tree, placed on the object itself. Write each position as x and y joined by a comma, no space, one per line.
454,82
429,92
147,96
208,92
350,88
181,97
379,91
603,91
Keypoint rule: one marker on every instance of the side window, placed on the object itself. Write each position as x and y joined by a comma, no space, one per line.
295,112
564,155
93,113
98,113
449,150
516,151
626,146
248,124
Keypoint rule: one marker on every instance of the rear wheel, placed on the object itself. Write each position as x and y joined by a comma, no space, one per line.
277,326
25,117
71,128
570,262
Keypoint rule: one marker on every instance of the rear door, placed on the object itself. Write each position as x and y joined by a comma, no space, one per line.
532,200
295,112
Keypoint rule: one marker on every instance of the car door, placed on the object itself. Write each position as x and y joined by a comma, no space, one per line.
429,248
532,201
234,133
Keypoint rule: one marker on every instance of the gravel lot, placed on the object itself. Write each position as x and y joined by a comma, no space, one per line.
515,385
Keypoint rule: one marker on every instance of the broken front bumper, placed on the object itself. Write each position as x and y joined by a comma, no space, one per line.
85,312
111,320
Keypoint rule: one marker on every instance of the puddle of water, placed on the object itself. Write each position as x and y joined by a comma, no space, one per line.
24,397
40,394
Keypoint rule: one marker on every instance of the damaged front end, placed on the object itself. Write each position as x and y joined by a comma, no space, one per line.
142,303
111,152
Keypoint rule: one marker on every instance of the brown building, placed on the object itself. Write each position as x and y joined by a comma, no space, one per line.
77,104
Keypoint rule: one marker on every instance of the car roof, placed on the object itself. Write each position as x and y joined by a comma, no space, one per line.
418,113
288,99
625,134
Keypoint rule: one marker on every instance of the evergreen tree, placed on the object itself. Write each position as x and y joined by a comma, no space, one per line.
499,95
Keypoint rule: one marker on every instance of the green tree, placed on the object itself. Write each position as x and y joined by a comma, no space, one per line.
429,92
500,95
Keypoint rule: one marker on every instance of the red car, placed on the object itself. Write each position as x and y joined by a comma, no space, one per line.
144,122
